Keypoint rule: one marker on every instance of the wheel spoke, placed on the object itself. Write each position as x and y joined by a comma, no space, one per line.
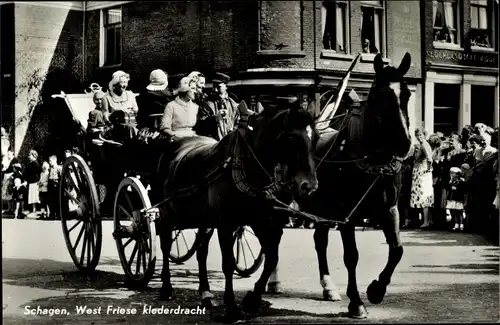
177,245
139,253
89,247
244,255
128,242
144,257
237,251
125,212
127,198
93,237
73,183
185,241
72,197
82,257
129,263
74,226
79,237
250,248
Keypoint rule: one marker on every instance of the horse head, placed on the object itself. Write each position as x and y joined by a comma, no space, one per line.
386,116
285,135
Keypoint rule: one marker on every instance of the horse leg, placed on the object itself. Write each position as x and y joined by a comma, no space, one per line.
207,298
270,239
330,291
356,307
274,285
166,291
390,226
233,312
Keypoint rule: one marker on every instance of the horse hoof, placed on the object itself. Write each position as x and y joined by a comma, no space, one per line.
233,315
251,303
357,311
274,288
209,303
376,292
331,295
167,294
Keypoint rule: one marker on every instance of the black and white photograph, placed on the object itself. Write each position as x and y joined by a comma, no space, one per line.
250,161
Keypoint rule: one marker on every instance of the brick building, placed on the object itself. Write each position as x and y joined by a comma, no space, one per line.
461,63
268,48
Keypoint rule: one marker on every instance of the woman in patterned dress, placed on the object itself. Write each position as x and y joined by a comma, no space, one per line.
422,192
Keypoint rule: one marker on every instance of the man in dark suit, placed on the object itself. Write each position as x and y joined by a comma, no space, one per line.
220,115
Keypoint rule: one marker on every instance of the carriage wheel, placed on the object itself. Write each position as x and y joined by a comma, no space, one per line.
184,244
79,212
248,259
135,231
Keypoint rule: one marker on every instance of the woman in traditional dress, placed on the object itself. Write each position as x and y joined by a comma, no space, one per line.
179,116
422,192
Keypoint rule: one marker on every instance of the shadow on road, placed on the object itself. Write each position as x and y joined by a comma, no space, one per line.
443,238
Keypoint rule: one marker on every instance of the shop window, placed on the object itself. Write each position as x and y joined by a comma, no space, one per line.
480,32
446,22
446,108
482,105
373,27
335,25
111,36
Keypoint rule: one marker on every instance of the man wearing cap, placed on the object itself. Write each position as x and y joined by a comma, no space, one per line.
220,114
153,103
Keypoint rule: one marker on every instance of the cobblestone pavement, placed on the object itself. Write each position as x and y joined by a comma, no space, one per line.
443,277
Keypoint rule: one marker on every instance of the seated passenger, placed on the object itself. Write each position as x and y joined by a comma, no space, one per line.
153,101
179,116
119,98
97,119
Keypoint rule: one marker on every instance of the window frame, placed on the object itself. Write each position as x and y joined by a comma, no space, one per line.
489,7
380,7
103,37
345,7
458,28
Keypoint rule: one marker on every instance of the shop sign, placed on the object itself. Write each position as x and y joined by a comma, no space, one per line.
463,58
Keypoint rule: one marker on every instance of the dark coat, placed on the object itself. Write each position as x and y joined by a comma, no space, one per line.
457,188
152,102
209,125
32,172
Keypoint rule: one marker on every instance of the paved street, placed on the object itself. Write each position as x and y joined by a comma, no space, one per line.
443,277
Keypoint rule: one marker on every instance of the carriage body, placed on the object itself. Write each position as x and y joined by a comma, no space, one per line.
108,181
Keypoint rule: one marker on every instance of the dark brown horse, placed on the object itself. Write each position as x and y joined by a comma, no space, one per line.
228,184
359,171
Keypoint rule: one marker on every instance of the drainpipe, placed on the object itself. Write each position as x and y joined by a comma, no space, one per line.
84,51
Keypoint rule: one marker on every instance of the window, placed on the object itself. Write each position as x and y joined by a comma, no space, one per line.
334,26
446,107
480,33
111,44
446,22
372,27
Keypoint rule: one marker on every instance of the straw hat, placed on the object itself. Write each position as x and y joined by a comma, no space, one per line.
455,170
158,80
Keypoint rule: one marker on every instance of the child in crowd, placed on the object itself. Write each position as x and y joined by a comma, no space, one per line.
43,187
456,198
18,192
53,186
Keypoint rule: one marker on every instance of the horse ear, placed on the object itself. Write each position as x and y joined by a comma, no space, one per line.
405,64
378,63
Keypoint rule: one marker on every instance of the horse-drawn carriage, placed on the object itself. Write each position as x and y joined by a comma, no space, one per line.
105,171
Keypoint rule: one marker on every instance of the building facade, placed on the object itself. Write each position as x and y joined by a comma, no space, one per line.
461,63
269,48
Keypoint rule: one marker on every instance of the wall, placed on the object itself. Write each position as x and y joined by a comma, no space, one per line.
48,47
178,37
7,67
